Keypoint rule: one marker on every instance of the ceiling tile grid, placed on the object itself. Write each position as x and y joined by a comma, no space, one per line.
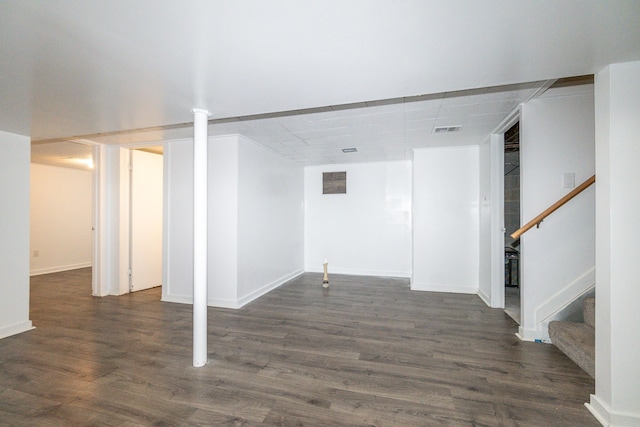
380,131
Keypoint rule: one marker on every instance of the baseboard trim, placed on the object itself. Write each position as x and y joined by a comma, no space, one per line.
16,328
360,272
59,268
211,302
178,299
240,302
557,302
532,335
608,418
564,296
485,298
267,288
433,287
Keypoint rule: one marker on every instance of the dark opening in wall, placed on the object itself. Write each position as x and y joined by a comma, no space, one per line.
334,183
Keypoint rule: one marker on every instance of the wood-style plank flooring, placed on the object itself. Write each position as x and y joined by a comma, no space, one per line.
368,351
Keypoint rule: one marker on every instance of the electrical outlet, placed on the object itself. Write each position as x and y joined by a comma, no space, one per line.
36,253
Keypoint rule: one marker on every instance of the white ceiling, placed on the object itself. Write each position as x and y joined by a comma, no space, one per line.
77,68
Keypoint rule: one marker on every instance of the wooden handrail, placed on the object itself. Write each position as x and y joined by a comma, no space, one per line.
537,220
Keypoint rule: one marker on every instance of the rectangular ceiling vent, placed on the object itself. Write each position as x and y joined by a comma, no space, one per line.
349,150
446,129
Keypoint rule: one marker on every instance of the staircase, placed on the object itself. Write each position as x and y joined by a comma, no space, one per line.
578,340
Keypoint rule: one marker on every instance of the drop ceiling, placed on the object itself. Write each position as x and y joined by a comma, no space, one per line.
305,79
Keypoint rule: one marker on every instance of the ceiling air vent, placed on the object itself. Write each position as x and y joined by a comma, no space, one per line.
349,150
446,129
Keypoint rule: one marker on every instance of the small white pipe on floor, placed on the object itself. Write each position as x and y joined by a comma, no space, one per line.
200,123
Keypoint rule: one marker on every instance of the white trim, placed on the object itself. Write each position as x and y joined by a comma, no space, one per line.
361,272
166,217
103,242
561,299
496,299
240,302
267,288
59,268
565,296
437,287
609,418
531,335
485,298
599,410
16,328
124,230
178,299
95,220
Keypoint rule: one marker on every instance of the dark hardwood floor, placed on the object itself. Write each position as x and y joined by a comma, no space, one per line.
367,351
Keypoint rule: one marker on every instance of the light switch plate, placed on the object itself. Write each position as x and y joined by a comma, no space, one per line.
569,180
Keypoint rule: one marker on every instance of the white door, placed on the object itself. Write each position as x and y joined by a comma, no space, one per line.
146,220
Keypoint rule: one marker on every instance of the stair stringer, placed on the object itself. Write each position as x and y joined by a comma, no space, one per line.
552,308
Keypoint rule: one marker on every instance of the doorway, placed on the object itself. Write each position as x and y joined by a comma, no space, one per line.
145,219
61,218
512,221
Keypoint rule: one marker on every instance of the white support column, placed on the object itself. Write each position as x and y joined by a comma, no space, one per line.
617,394
200,123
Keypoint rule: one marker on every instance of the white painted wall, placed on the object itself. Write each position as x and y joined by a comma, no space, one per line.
223,221
61,218
270,220
446,219
255,221
366,231
558,259
617,393
14,233
177,247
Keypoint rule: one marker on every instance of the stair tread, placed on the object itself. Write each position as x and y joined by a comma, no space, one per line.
577,341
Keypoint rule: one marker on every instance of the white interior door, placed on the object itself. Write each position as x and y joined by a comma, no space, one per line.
146,220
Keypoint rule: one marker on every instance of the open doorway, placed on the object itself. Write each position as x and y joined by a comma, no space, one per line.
512,221
145,218
61,195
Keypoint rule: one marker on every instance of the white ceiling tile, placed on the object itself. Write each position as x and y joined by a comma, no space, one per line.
420,125
385,131
453,111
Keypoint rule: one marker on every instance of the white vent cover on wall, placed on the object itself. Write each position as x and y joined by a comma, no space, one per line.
446,129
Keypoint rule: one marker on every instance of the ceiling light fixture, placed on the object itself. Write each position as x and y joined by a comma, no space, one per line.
349,150
87,161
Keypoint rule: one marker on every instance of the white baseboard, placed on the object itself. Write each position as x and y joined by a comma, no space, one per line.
267,288
16,328
361,272
59,268
565,296
557,302
484,297
434,287
179,299
211,302
532,335
609,418
240,302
